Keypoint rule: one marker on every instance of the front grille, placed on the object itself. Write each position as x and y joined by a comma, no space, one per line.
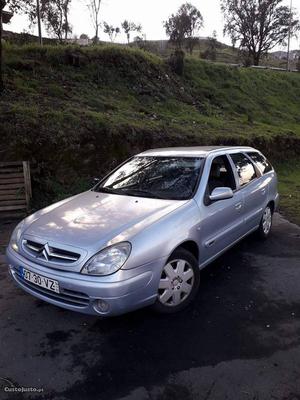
66,296
49,253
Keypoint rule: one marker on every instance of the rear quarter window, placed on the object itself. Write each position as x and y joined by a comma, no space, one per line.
261,162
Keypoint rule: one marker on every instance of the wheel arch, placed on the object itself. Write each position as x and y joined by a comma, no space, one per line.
272,205
189,245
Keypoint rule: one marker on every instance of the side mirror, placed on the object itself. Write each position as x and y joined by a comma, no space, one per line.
221,193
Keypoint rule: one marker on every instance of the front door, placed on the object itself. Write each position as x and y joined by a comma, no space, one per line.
222,222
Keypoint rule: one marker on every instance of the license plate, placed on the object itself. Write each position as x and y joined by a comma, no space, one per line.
39,280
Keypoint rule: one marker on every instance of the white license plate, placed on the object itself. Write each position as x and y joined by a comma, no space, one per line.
40,280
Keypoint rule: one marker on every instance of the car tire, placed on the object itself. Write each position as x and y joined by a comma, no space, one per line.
179,283
265,225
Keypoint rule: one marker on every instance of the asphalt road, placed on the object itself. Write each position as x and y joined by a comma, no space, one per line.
240,340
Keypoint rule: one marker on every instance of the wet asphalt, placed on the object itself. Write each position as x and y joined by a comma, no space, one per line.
239,340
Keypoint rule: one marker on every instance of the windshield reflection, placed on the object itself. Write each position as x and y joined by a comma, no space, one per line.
172,178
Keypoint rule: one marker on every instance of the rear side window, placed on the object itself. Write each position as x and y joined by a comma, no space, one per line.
244,167
260,161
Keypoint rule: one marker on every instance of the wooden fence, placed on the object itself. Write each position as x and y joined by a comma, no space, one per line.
15,188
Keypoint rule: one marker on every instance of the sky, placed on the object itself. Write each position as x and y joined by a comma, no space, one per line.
150,14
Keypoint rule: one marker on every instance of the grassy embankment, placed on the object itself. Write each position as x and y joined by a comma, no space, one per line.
75,113
289,189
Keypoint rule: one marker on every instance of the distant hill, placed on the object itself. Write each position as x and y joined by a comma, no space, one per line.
225,53
282,55
24,38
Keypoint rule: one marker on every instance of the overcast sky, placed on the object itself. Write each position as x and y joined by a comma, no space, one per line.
150,14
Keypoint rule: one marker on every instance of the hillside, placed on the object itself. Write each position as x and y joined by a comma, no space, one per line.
76,112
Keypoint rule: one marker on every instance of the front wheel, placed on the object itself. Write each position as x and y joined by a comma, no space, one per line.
265,223
179,282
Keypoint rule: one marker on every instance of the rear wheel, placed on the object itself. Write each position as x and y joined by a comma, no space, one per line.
179,282
265,223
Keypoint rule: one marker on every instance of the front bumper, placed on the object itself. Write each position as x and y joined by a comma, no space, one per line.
123,291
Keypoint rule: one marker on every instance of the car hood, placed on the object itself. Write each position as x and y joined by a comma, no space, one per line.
91,220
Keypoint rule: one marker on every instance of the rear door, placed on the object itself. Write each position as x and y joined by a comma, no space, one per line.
253,187
221,221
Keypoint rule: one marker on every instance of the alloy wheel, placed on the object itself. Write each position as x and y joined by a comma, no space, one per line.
176,283
267,220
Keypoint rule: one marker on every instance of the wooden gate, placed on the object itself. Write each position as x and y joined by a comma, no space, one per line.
15,188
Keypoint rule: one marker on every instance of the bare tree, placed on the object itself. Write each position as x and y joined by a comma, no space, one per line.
94,9
66,26
183,26
54,14
111,31
129,27
33,10
258,25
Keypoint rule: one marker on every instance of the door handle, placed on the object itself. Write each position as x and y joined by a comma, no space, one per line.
263,191
238,206
210,243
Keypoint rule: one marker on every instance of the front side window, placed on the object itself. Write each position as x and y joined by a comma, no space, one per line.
173,178
260,161
220,175
245,169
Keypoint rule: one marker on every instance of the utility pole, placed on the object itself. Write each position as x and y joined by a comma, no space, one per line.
38,13
289,38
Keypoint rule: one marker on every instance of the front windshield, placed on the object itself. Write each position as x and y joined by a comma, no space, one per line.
173,178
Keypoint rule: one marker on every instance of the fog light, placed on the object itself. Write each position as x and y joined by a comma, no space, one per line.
101,306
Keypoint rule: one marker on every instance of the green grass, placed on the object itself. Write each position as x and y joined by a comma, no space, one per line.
289,189
136,88
78,119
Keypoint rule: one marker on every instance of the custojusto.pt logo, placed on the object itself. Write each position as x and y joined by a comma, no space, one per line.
8,386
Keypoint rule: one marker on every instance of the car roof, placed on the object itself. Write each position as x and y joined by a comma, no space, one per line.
196,151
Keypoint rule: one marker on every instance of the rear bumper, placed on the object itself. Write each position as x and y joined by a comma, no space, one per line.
124,291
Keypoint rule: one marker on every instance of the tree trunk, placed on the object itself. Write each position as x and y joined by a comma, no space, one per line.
38,12
1,61
256,59
97,32
66,21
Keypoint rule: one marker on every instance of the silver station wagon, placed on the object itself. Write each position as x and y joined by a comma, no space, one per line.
141,236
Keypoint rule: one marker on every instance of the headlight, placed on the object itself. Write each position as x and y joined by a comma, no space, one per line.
16,235
108,261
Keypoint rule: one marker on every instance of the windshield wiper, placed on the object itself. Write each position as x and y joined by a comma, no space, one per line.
107,190
141,193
